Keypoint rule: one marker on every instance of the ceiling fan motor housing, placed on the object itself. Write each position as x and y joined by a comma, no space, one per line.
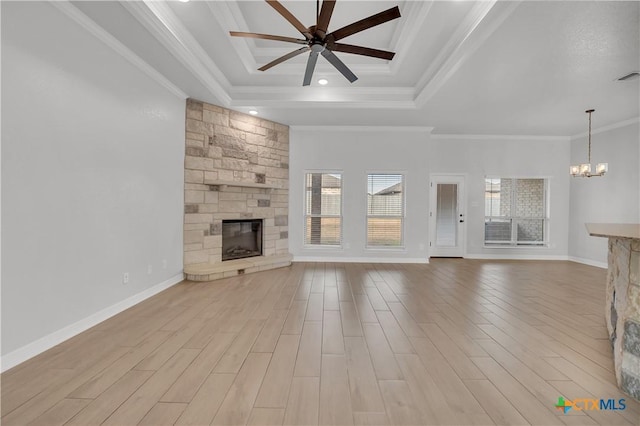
317,46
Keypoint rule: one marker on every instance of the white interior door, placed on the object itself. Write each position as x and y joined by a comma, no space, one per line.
446,216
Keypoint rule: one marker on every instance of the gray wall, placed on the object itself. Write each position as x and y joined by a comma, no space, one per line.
614,197
507,157
357,151
92,176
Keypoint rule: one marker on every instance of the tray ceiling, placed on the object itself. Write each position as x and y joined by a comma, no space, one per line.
486,67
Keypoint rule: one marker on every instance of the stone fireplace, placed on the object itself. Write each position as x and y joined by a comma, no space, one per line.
241,238
236,176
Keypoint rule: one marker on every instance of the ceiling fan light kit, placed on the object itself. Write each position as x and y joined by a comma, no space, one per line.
584,169
318,41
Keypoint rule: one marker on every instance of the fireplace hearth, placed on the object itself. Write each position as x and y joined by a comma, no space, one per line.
241,238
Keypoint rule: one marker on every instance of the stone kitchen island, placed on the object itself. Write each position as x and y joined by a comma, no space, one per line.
623,300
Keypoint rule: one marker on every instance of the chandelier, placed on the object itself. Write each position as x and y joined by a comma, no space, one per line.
584,169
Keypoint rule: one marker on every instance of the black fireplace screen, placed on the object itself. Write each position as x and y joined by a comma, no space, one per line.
241,238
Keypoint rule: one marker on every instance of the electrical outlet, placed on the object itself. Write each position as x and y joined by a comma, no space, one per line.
125,278
149,269
164,263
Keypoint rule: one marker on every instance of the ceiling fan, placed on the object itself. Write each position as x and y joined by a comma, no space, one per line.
318,41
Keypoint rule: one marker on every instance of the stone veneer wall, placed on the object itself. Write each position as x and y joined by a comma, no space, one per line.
228,146
623,311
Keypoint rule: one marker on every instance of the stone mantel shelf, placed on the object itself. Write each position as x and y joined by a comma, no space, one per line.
225,183
617,230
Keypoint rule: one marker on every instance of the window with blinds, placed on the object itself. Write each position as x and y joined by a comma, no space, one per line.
323,209
385,210
516,212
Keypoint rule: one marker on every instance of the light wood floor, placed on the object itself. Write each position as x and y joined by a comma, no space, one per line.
453,342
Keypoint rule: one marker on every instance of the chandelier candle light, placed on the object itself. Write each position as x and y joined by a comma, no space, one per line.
584,170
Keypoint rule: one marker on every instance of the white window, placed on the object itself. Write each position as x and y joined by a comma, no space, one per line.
516,212
385,210
323,209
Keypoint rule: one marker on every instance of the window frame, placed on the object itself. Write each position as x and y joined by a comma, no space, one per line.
306,245
400,247
513,242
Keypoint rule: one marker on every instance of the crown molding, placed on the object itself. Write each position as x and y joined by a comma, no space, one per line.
404,92
230,18
460,47
324,97
447,54
499,137
377,104
415,17
165,26
101,34
613,126
422,129
228,14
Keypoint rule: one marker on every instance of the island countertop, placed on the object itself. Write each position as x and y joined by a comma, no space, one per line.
616,230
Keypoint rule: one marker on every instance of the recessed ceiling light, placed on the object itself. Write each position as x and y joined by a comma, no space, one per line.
323,82
183,1
253,112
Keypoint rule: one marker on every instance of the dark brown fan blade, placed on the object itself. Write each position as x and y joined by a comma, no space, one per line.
359,50
340,66
366,23
311,65
325,17
284,58
289,17
268,37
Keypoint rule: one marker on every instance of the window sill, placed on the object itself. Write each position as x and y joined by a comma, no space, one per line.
382,248
321,247
520,247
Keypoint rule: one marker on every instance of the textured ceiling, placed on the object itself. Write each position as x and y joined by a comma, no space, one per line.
503,67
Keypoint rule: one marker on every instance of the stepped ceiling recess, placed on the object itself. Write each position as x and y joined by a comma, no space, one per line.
486,67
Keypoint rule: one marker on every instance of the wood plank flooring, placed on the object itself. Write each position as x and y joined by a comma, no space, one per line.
454,342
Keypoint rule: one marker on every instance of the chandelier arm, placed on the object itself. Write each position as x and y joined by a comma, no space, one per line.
590,136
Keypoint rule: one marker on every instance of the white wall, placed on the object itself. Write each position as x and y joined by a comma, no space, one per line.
614,197
417,153
507,157
356,152
92,178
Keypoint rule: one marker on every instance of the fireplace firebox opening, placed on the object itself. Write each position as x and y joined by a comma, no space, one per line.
241,238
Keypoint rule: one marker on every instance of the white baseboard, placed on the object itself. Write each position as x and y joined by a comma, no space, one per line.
517,256
360,259
589,262
30,350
